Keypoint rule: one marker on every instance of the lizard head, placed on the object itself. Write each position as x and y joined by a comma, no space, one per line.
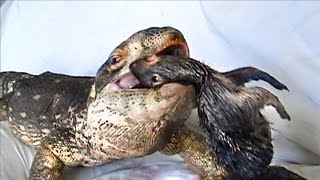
117,102
114,74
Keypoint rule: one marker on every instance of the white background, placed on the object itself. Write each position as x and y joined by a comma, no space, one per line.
282,38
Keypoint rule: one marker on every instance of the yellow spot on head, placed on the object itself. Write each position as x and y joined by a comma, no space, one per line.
37,97
23,114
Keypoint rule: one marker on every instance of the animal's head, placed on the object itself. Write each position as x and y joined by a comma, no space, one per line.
117,98
114,74
154,71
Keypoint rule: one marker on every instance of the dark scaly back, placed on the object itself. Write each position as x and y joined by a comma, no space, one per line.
7,82
239,134
42,107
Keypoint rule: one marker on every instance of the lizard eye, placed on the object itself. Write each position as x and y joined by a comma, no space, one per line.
155,78
114,59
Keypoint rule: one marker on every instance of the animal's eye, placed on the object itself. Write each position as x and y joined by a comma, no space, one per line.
155,78
114,59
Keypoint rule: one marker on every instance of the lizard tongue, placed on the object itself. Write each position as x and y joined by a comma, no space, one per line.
127,81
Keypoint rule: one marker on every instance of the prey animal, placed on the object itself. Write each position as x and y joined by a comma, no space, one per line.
88,121
239,134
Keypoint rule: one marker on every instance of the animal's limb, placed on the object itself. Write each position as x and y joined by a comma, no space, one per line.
277,172
46,166
243,75
196,151
262,97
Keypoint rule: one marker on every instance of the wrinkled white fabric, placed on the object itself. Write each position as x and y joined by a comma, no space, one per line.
76,37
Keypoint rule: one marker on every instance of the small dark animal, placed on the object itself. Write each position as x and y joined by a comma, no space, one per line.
239,134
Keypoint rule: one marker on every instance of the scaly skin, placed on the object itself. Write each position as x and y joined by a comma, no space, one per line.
78,121
75,121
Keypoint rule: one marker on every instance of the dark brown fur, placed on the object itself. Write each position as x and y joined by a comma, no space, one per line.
239,134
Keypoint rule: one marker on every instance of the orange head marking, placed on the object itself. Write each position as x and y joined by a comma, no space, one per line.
152,59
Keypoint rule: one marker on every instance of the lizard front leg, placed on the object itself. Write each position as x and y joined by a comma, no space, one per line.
196,151
46,165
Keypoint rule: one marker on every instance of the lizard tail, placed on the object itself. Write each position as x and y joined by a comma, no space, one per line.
7,81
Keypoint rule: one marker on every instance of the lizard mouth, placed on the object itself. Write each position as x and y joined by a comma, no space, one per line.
129,81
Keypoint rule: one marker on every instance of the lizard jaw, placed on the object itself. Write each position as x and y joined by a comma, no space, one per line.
129,81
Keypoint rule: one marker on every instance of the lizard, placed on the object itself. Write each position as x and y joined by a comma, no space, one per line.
88,121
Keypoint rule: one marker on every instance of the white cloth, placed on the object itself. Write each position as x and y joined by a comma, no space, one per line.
76,37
